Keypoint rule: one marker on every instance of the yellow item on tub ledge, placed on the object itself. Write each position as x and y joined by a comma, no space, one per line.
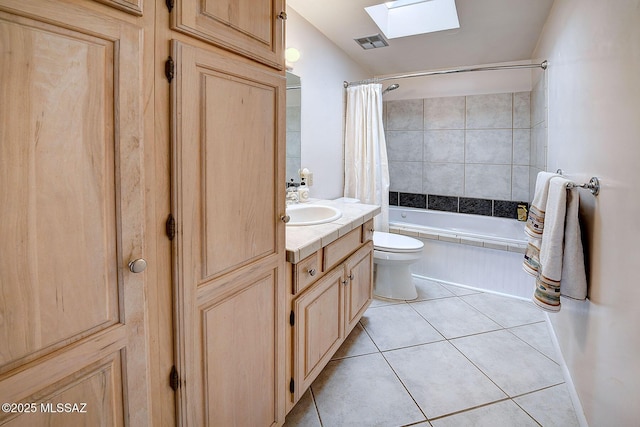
522,212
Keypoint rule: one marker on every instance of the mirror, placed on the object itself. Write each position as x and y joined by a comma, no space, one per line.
294,92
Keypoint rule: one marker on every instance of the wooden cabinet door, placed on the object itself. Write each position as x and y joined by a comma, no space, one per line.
318,328
228,196
72,316
359,290
253,28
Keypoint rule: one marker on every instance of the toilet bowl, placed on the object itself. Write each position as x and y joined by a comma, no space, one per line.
393,254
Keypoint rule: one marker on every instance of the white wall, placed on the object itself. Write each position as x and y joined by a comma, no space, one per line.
322,68
593,48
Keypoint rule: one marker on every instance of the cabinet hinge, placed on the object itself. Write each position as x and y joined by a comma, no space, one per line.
169,69
292,318
174,378
170,4
292,386
170,227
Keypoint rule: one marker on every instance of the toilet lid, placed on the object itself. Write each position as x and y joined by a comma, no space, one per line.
395,242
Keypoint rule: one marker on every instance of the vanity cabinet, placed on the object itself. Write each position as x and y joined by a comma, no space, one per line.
330,290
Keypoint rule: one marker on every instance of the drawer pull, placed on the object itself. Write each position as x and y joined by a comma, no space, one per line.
351,276
312,272
345,282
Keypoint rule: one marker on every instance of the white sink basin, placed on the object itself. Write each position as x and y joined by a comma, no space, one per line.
311,214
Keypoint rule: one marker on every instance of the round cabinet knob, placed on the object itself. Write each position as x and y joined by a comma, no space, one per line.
312,272
285,218
137,265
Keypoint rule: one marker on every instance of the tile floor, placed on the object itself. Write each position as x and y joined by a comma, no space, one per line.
453,357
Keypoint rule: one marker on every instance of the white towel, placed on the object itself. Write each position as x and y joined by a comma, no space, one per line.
574,275
535,223
561,269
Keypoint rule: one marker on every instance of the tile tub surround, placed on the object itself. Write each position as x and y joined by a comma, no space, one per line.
302,241
502,369
472,146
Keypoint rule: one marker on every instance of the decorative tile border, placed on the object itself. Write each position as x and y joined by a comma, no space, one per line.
393,198
413,200
475,206
443,203
466,205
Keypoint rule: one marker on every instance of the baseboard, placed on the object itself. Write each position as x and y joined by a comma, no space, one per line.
488,291
575,399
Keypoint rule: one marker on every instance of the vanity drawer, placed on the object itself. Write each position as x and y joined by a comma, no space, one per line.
337,251
306,272
367,231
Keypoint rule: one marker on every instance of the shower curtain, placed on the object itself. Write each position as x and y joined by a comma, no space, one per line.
365,159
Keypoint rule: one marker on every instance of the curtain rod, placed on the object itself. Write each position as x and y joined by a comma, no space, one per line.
542,65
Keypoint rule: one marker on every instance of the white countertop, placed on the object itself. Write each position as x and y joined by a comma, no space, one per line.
303,240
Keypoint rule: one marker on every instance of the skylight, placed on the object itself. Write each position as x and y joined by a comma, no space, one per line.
404,18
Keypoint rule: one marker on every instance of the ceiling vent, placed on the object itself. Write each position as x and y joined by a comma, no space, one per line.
372,42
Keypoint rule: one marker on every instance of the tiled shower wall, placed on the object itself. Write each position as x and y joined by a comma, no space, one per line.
467,147
538,131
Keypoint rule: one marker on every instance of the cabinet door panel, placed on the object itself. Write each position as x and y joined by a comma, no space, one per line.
240,344
96,391
72,209
360,288
228,179
319,328
249,27
64,176
238,155
228,158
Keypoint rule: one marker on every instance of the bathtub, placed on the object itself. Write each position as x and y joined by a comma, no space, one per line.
473,251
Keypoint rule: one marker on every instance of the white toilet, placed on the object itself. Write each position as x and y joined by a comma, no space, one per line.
393,254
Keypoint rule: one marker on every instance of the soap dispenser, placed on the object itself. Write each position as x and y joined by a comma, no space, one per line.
292,193
303,192
307,176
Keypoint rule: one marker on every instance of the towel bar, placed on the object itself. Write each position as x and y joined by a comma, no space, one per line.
593,185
